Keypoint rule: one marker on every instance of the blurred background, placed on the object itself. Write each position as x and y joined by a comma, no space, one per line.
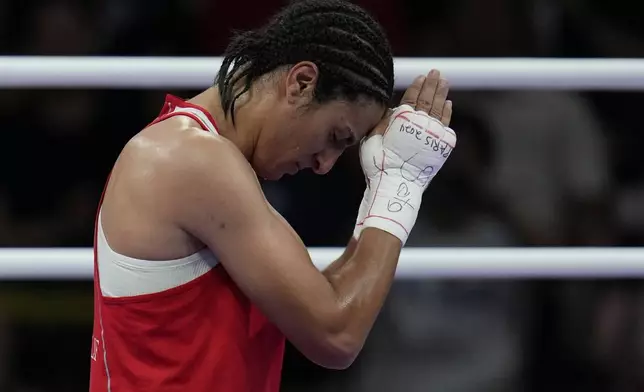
533,168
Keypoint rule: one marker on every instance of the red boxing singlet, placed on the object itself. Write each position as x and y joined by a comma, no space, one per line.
177,325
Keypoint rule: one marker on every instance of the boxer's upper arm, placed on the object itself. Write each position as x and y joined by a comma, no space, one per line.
224,206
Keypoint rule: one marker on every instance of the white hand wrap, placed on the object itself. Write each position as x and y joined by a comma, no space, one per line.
398,167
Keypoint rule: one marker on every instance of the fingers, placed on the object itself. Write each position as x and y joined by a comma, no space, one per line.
433,95
446,116
429,94
440,98
411,94
428,90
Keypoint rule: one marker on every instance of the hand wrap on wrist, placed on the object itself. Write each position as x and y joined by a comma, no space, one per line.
398,167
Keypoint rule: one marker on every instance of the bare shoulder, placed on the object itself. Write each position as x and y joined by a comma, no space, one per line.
167,155
164,176
193,173
213,192
205,163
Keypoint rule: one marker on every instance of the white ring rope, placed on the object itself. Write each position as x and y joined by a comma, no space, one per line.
415,263
191,72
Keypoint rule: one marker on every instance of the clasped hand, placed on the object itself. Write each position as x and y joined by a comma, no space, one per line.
403,154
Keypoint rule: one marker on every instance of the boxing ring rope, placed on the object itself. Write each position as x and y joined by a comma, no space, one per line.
198,72
415,263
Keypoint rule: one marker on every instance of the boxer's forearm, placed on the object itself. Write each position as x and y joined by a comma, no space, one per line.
361,283
340,261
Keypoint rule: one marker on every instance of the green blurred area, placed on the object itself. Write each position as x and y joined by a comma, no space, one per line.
45,326
50,303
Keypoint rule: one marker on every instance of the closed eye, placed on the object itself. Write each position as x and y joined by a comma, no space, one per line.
344,139
352,139
338,141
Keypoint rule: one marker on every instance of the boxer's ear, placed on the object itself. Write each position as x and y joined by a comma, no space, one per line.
301,80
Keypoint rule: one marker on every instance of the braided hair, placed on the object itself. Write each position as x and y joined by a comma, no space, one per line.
346,44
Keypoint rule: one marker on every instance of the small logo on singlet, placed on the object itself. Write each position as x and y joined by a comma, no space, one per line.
95,344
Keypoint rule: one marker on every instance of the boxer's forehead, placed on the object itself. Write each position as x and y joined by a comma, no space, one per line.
357,118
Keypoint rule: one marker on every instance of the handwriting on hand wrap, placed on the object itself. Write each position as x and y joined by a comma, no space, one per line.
403,190
430,140
408,129
423,177
380,169
397,203
419,175
441,145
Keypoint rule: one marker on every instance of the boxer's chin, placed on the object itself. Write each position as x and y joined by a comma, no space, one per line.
270,174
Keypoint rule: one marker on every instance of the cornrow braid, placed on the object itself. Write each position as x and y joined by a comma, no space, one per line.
348,46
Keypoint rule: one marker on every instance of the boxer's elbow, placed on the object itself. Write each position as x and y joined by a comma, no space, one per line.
335,352
335,347
344,350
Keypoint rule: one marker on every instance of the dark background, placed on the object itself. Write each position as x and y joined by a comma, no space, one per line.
533,168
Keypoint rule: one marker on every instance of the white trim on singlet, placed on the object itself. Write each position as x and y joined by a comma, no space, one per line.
107,368
210,127
123,276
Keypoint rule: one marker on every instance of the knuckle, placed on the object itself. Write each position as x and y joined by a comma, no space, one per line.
423,103
434,112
